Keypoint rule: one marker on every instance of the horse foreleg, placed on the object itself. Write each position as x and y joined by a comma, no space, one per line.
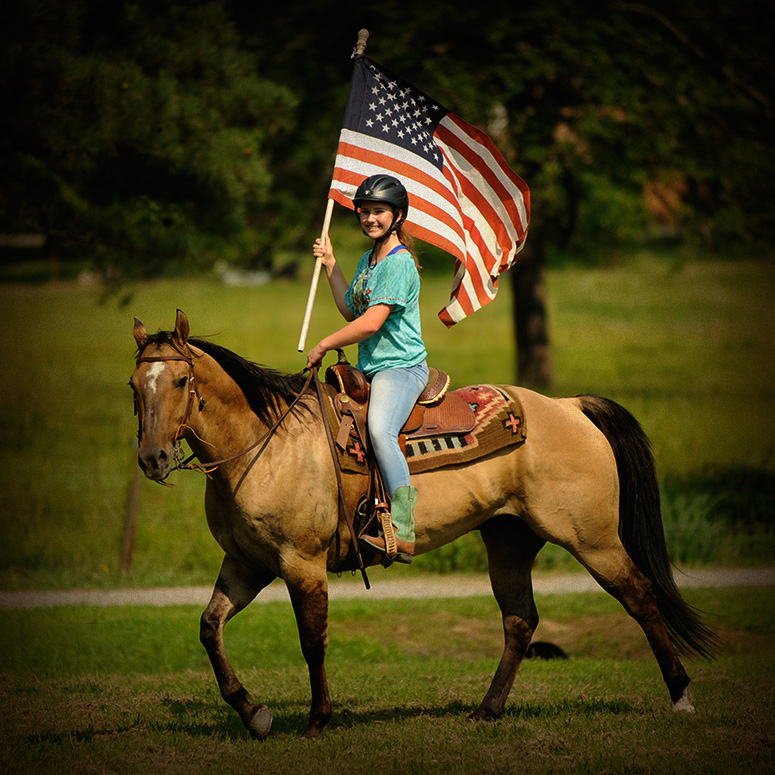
511,549
308,589
231,594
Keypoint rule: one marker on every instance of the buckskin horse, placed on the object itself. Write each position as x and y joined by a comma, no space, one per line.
583,478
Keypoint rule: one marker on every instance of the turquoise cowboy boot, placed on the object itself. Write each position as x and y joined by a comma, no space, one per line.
397,541
402,516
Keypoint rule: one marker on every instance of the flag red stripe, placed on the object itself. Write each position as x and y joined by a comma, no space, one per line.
480,261
479,265
434,215
484,194
398,166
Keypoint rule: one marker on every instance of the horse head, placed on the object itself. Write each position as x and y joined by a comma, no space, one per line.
164,388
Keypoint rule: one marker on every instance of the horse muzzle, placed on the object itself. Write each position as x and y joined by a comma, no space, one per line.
156,462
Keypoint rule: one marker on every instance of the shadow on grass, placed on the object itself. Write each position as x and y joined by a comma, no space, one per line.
549,709
213,719
290,719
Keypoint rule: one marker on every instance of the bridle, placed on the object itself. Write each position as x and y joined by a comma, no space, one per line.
193,390
193,393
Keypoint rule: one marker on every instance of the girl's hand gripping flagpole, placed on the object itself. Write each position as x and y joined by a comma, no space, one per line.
315,278
360,47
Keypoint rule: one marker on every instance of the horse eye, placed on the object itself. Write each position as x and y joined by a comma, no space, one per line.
182,382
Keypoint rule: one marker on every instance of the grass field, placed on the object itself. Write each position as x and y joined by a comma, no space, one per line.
129,690
686,345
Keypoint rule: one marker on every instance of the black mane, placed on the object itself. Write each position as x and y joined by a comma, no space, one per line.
263,387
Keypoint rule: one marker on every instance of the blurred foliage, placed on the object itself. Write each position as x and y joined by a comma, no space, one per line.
136,128
164,135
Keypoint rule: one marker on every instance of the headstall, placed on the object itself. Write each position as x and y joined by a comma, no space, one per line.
193,391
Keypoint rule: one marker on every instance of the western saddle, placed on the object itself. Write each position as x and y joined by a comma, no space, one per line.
437,411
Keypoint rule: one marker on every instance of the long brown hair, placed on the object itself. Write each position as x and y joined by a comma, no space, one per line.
407,240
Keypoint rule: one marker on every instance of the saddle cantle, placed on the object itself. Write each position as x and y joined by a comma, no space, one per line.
436,387
437,411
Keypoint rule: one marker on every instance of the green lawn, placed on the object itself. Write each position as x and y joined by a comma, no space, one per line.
685,345
130,691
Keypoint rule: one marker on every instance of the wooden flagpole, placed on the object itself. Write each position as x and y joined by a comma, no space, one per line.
315,277
360,47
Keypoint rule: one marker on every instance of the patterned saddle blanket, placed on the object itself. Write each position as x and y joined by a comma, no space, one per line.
464,425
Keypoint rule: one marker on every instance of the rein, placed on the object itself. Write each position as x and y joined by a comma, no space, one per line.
343,507
186,465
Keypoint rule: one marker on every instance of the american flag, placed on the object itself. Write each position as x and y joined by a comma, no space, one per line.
463,197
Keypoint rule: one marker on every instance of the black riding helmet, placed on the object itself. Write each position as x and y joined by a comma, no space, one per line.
384,188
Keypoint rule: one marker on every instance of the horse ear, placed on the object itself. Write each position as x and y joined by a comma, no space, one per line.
141,336
181,328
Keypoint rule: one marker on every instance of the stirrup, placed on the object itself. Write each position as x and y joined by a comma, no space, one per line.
389,536
384,541
377,544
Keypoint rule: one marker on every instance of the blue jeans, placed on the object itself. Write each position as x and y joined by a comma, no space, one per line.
393,394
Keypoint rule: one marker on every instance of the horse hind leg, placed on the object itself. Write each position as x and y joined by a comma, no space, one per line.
232,593
627,553
618,575
511,549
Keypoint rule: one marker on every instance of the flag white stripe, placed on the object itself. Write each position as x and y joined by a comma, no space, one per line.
415,187
477,281
487,234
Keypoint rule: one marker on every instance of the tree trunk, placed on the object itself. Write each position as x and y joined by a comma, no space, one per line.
53,248
534,357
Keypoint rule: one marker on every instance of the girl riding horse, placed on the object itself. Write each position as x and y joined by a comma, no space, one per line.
382,307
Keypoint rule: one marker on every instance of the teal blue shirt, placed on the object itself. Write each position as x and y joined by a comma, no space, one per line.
395,281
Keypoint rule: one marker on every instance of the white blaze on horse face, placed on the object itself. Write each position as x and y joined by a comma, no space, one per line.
153,375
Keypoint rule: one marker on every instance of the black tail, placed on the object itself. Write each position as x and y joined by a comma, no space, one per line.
640,521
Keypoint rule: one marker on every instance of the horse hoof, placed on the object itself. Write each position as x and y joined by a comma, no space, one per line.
260,722
480,715
314,728
682,704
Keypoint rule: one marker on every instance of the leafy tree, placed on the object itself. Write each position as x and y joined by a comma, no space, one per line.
598,105
137,128
626,119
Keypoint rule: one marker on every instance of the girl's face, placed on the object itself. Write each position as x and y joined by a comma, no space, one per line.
376,219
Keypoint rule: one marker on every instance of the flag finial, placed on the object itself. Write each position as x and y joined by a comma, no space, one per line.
360,46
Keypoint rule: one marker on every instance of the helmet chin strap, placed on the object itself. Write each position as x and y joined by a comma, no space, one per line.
379,241
393,228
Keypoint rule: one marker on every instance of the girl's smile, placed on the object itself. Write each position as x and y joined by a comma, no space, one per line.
376,219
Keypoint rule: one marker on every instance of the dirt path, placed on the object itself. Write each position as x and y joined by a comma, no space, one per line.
383,587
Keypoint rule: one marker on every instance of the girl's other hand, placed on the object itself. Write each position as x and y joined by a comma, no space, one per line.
316,355
323,251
